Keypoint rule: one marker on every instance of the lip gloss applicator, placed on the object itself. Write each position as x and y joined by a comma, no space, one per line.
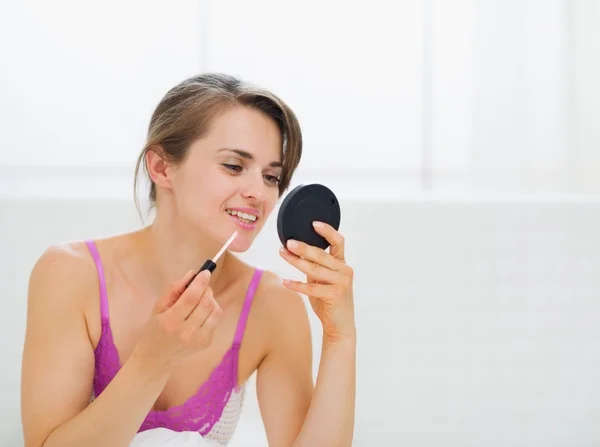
210,264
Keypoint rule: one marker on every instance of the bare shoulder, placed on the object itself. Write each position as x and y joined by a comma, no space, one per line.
72,258
283,310
64,270
278,297
58,359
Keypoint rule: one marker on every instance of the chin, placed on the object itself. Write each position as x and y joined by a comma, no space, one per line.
246,234
241,244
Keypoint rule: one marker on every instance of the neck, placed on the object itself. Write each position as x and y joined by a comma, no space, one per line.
170,249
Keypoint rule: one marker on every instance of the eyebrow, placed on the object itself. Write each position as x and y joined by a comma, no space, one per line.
247,155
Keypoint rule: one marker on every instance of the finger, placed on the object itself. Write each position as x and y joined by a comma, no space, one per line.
315,290
335,239
206,331
314,254
190,297
202,310
175,291
203,318
311,269
197,329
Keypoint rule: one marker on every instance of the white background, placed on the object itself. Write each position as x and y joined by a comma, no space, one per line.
462,136
459,95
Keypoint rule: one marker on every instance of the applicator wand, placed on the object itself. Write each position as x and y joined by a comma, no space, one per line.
210,264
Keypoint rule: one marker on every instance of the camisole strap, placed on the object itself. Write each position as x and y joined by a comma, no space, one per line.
241,326
101,279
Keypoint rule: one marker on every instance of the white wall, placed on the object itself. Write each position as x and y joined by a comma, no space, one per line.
500,93
477,320
585,88
470,96
80,79
491,106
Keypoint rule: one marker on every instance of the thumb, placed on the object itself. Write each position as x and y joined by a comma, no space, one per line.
175,291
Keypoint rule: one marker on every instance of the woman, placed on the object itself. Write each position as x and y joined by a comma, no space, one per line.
115,342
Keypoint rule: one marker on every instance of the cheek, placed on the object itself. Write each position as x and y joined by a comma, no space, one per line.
194,193
219,187
270,203
201,183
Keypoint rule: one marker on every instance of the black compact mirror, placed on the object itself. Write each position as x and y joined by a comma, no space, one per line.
301,207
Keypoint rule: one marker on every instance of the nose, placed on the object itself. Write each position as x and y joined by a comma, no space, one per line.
254,187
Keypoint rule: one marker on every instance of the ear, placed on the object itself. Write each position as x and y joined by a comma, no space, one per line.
157,167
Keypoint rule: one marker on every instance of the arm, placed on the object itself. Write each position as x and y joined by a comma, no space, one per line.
329,287
284,382
58,365
330,419
293,412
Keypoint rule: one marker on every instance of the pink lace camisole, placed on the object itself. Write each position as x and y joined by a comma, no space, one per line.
214,410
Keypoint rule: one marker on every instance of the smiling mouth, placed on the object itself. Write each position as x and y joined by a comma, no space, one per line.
244,217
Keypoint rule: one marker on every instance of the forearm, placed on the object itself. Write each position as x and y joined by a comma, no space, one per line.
114,417
330,418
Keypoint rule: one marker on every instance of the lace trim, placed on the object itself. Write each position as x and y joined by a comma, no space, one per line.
107,358
199,413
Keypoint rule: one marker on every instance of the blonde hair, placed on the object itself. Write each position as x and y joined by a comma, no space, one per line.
186,112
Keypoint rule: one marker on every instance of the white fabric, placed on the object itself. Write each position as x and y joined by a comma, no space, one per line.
223,430
163,437
220,434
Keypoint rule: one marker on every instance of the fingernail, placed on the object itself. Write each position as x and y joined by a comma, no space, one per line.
317,224
292,244
205,274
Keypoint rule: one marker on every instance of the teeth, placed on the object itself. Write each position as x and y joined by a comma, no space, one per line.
245,216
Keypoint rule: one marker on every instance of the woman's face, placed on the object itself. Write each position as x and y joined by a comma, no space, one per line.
230,178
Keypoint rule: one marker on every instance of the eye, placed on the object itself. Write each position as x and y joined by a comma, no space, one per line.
272,179
232,168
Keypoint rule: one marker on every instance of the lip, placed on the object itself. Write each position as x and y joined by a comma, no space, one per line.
247,210
243,225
